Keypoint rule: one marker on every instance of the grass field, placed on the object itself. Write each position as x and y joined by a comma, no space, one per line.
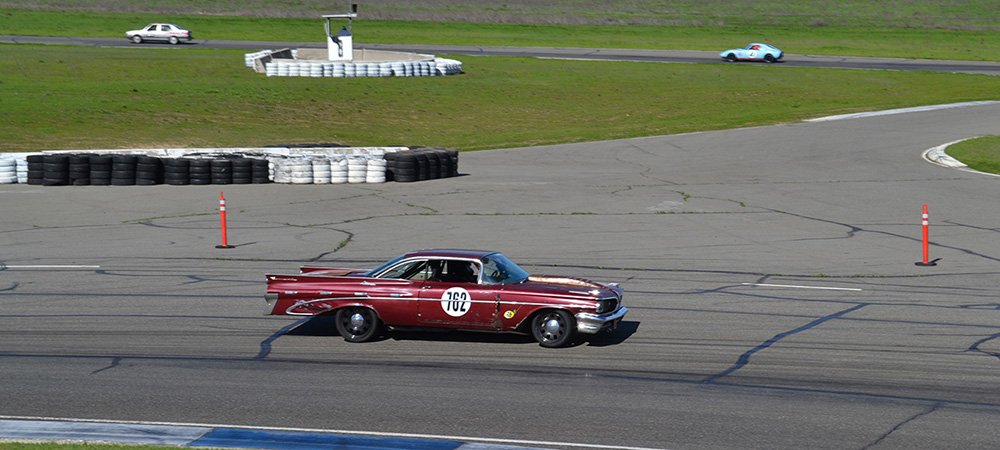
80,98
86,98
849,38
954,14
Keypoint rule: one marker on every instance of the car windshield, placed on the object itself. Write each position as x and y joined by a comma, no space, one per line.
497,269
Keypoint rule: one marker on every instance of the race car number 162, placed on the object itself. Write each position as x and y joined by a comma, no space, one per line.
456,301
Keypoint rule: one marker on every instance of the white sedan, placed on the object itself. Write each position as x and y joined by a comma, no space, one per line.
166,32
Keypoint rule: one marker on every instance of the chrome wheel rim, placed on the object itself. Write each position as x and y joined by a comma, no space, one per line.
357,322
552,327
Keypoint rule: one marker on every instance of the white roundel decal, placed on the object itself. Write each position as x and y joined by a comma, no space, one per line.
456,301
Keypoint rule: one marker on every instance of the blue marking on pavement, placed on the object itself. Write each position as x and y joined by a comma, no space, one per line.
99,432
286,440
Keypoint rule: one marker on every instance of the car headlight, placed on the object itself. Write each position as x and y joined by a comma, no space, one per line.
604,306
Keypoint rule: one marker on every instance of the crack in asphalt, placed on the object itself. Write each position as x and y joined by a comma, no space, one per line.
265,345
975,346
744,359
928,410
115,362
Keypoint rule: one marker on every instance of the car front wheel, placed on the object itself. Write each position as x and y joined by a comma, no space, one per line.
731,57
356,324
553,328
137,39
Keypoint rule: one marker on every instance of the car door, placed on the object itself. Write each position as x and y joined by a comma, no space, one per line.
451,296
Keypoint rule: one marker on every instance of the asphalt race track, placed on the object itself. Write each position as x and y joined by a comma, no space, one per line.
769,271
602,54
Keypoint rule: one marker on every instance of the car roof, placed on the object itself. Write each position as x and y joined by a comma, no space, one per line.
449,253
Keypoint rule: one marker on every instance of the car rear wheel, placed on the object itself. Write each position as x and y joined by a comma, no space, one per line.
137,39
174,40
553,328
768,58
731,57
356,324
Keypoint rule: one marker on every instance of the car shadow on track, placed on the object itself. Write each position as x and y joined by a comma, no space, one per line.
324,326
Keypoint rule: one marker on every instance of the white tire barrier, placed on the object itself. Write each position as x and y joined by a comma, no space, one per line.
8,171
376,171
321,171
283,67
338,170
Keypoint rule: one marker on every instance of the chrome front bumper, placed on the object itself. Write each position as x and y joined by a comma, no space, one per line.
587,323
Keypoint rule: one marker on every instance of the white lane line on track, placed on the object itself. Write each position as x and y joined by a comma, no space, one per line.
899,111
351,432
828,288
49,266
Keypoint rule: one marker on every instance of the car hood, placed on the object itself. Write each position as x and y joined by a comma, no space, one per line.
567,287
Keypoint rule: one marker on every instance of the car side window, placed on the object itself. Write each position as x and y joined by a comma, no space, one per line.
151,28
453,271
411,270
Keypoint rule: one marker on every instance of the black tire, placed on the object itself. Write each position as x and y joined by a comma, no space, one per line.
124,159
356,323
731,57
137,39
433,165
174,40
553,328
200,179
768,58
404,176
178,181
103,160
200,166
146,177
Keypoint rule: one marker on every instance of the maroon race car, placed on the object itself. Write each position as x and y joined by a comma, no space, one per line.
458,289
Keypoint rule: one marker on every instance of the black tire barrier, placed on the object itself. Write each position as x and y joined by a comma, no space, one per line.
222,171
260,172
55,170
242,171
177,171
79,170
149,171
36,169
100,170
123,168
418,164
83,169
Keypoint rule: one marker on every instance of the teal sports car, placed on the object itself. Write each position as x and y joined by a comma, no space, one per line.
753,52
